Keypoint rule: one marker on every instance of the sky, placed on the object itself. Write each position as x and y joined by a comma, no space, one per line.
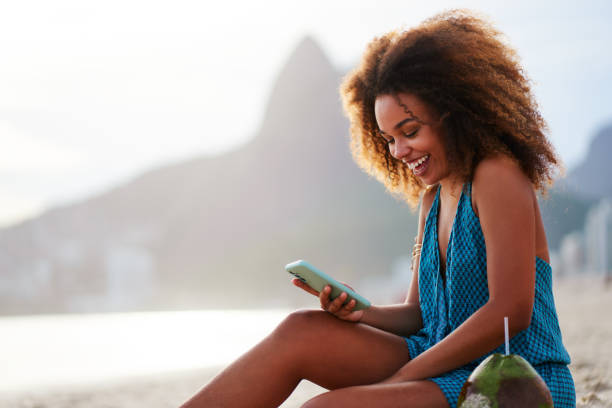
94,93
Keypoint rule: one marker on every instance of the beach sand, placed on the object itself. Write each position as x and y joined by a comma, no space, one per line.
584,306
585,315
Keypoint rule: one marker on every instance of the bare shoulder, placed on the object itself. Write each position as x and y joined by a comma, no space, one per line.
500,179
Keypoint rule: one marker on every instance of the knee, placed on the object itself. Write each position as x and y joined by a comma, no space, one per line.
301,319
302,324
320,401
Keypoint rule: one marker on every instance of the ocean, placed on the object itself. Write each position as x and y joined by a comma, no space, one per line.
48,351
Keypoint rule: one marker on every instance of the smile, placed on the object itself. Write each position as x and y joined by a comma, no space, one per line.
413,165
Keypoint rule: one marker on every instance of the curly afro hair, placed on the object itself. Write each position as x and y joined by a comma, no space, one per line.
459,64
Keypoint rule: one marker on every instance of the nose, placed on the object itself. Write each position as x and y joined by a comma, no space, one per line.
401,148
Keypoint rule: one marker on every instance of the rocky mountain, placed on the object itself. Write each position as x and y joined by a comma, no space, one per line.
217,231
592,179
565,210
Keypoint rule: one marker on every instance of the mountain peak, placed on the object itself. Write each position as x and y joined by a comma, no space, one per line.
602,142
307,81
590,177
307,52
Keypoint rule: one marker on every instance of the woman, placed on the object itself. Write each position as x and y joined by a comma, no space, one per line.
443,114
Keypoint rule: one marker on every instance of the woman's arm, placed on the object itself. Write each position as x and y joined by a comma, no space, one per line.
505,203
403,319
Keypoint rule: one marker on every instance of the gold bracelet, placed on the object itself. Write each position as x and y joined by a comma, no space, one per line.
416,251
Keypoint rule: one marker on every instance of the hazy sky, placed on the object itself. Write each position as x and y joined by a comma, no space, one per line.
94,93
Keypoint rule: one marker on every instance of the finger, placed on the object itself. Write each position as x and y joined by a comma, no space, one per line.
304,286
337,303
324,297
348,308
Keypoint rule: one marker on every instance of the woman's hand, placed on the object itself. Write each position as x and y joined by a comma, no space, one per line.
335,306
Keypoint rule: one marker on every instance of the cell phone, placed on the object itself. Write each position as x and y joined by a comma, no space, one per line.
317,280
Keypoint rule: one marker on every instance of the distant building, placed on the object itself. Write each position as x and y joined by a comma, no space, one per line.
598,238
570,259
126,276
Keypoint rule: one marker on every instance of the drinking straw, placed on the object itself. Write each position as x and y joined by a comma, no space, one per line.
507,335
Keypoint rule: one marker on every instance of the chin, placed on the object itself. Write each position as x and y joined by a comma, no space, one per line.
429,181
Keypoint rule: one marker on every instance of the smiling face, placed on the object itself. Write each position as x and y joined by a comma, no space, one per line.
413,132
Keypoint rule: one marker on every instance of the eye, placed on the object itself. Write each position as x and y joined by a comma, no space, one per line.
412,134
407,135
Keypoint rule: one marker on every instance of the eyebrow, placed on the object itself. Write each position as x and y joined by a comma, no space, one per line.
399,125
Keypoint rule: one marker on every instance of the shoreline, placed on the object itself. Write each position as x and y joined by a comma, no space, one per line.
154,391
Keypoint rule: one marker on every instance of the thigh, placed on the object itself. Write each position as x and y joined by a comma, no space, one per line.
413,394
334,353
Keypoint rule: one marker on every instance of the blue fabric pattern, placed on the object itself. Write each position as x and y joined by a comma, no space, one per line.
446,304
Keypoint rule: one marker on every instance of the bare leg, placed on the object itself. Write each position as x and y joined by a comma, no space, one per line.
413,394
312,345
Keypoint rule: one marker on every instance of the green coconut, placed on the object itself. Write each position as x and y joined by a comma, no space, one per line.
505,381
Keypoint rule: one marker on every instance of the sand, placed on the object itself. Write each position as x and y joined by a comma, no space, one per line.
584,306
168,390
585,315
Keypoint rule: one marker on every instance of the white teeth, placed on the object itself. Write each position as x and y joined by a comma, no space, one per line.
417,163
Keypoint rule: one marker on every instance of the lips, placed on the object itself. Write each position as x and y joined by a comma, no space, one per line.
418,166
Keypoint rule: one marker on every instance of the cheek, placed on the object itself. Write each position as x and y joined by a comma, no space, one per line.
440,150
443,160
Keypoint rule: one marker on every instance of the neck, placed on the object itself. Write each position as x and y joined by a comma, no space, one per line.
451,187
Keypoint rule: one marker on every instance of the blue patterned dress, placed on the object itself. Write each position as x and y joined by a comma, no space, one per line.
445,304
